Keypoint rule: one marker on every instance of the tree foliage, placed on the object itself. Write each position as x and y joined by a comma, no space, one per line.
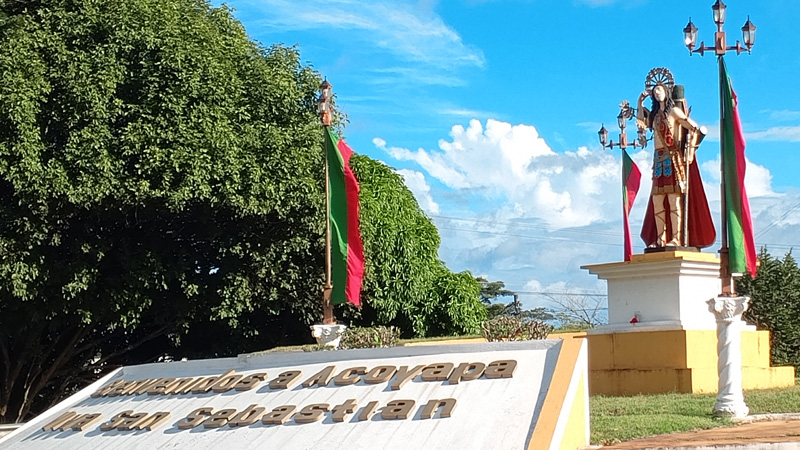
490,290
406,283
775,304
161,195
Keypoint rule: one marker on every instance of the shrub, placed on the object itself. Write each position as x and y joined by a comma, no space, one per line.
369,337
506,328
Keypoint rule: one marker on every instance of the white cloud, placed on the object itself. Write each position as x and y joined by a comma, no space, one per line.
513,165
782,134
410,32
757,179
516,210
782,115
415,181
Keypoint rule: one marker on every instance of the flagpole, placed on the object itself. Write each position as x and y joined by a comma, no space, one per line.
324,108
720,48
724,256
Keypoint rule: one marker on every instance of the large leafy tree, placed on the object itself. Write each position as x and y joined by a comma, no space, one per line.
406,283
156,168
161,196
775,304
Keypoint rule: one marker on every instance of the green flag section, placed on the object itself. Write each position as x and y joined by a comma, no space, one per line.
347,253
631,178
741,243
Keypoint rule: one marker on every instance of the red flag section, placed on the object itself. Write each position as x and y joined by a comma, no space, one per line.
631,178
347,253
741,243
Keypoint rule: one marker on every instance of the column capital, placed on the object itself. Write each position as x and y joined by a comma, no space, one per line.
728,309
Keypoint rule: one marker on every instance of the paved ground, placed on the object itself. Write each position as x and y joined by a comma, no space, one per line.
783,433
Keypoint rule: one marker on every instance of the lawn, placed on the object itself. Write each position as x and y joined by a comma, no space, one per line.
615,419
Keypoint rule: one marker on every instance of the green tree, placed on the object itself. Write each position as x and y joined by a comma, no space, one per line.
775,304
490,290
406,283
161,195
157,168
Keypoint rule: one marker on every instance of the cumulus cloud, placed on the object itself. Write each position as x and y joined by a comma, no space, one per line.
514,164
757,179
415,181
513,208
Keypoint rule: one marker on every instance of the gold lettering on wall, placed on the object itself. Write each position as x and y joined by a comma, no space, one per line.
466,372
251,381
321,378
180,386
115,420
205,385
286,380
226,382
247,417
447,405
404,374
312,413
219,418
437,372
60,420
139,384
397,409
349,376
380,374
279,415
340,412
367,411
160,387
152,422
130,421
500,369
195,418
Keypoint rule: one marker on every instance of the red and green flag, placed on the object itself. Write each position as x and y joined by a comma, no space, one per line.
347,252
631,178
741,243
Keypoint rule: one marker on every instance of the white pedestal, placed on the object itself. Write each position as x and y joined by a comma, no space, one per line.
665,291
728,312
328,335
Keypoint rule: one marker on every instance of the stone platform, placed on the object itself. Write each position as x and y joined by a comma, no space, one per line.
661,336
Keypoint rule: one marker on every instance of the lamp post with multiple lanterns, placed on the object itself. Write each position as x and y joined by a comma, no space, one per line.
626,113
727,307
720,48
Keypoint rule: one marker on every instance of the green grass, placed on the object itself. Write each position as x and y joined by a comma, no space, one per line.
615,419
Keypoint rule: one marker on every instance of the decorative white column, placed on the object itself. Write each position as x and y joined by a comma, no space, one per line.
328,335
728,311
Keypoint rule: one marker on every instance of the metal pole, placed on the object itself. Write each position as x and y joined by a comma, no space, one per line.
725,267
327,308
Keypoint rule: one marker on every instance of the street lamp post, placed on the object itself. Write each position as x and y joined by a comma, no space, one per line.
626,113
727,307
720,48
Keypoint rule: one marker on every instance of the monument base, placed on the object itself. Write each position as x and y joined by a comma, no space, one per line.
661,336
662,361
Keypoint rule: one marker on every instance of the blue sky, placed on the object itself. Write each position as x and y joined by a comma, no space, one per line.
490,111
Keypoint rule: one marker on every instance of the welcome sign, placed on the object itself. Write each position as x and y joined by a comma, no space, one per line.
470,396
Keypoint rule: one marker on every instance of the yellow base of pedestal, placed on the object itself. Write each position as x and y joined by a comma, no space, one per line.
652,362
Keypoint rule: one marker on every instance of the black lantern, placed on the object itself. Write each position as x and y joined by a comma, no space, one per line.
603,134
719,12
324,105
690,35
621,121
749,34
